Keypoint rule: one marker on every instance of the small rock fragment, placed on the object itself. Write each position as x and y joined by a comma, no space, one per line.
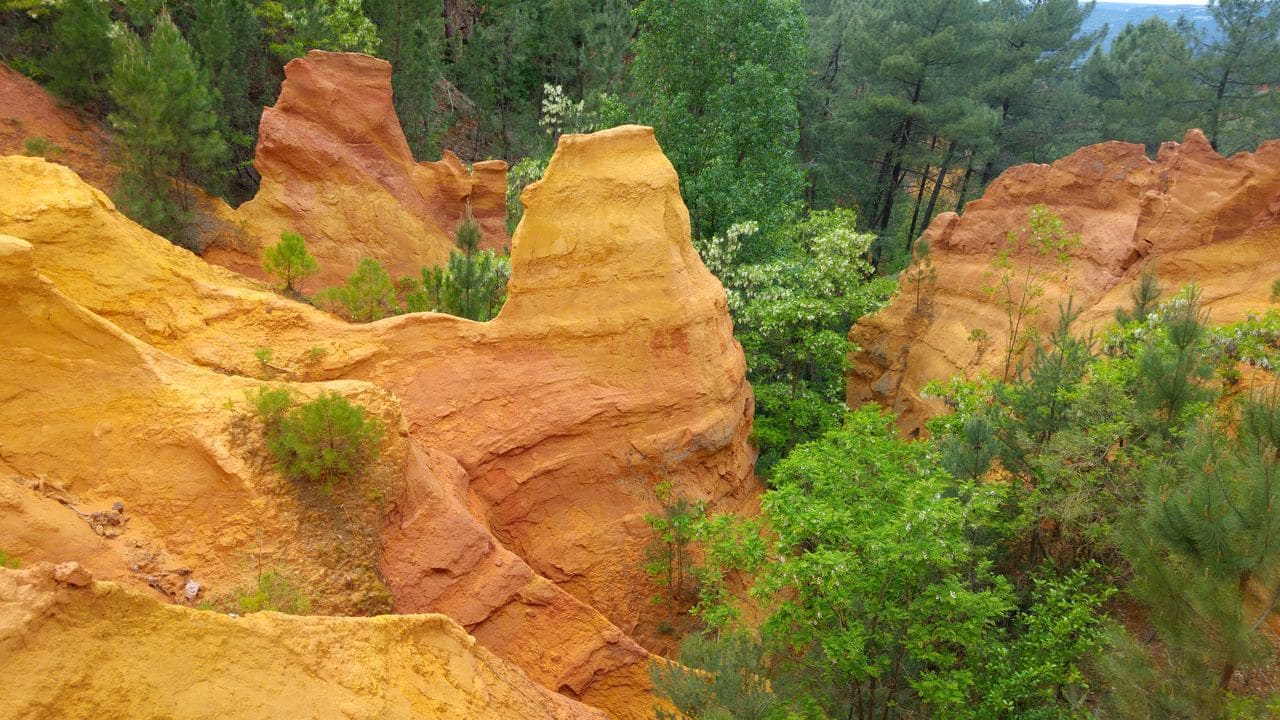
191,590
73,574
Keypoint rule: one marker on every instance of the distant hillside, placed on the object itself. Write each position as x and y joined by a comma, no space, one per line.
1116,15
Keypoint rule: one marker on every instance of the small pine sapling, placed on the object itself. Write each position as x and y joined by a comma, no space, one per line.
1020,272
289,261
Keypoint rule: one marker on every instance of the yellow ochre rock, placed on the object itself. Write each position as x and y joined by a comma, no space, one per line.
523,453
104,653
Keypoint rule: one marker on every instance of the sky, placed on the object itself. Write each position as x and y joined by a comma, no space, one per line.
1159,2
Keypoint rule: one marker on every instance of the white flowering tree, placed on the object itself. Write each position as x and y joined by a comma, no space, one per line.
792,316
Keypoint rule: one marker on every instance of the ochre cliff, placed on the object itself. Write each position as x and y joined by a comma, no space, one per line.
28,112
1199,217
529,446
96,651
90,417
336,168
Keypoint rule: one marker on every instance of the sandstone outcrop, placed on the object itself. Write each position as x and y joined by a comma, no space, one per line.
531,446
104,653
1199,217
335,167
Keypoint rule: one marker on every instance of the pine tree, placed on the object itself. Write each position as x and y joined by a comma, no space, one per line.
1234,67
166,127
719,82
1144,296
473,285
1206,545
228,40
1141,85
289,261
368,295
1033,46
1173,366
411,36
82,52
894,82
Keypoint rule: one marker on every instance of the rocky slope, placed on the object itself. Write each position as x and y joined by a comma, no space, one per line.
514,493
335,167
83,649
1197,216
28,113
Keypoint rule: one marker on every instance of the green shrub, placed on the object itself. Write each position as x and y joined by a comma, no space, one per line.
368,295
6,561
289,261
36,146
271,407
275,591
264,355
324,440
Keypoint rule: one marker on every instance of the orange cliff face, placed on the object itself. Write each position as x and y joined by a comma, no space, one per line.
335,167
1197,216
527,451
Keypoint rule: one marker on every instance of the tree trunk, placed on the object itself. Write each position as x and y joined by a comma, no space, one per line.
964,185
942,176
915,212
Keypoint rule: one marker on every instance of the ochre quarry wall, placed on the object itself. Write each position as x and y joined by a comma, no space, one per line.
1198,216
89,650
336,168
522,455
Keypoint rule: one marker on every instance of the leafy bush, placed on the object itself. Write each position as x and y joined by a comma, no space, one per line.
321,441
792,316
879,596
6,561
1027,261
289,261
520,176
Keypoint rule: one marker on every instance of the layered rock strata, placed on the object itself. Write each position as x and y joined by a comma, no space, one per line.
1197,216
93,650
335,167
529,448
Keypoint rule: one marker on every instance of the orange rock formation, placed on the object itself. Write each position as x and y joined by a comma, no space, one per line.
529,446
335,167
1199,217
103,653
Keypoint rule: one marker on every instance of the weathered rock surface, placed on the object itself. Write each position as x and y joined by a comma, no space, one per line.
28,112
335,167
102,652
533,442
90,416
1198,216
